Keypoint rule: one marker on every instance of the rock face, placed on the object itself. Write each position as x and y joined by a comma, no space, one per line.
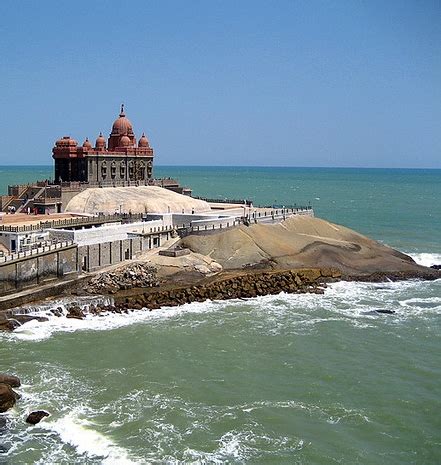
13,381
124,277
35,417
142,199
8,397
302,241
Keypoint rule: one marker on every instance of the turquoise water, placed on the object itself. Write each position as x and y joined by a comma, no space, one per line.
310,379
399,207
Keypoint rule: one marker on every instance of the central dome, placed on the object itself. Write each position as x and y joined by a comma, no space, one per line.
122,125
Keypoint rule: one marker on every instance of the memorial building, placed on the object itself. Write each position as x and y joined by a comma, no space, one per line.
121,161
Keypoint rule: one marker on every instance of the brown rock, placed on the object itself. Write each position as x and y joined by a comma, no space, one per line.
9,324
25,318
311,275
8,397
75,312
35,417
13,381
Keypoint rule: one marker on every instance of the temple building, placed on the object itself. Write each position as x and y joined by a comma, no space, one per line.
121,161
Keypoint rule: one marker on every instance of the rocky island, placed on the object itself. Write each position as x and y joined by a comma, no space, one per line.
106,226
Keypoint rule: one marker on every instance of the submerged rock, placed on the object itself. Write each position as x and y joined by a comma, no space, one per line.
13,381
380,312
8,397
35,417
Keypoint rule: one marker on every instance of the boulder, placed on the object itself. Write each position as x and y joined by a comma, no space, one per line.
75,312
57,311
13,381
35,417
24,318
9,324
8,397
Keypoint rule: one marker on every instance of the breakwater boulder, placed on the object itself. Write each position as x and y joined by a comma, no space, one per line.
8,324
233,286
75,312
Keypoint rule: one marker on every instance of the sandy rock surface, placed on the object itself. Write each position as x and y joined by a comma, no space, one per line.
193,262
300,241
142,199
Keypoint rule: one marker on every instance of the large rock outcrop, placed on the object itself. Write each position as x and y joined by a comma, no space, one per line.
12,380
8,397
141,199
301,241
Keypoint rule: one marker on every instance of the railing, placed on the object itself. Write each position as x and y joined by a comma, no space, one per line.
72,222
255,217
244,202
36,251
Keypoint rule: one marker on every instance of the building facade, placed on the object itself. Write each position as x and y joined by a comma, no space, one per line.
119,161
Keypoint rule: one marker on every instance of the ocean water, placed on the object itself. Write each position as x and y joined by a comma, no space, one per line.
307,379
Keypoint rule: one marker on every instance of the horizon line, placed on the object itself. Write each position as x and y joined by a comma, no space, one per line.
259,166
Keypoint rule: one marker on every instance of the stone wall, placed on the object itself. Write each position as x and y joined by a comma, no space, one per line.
36,269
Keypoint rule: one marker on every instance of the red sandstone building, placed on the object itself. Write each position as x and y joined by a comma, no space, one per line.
120,162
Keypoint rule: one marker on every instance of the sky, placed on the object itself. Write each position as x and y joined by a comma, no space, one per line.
353,83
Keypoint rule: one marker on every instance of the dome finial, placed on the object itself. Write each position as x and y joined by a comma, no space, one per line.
122,110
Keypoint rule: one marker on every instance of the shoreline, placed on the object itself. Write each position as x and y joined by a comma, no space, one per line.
227,285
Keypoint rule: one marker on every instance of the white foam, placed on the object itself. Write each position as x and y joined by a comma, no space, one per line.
87,441
426,259
348,300
37,331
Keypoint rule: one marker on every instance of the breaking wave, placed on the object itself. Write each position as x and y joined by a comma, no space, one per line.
426,259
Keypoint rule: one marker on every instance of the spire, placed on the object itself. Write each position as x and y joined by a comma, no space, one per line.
122,110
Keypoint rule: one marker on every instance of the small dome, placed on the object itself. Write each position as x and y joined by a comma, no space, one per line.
66,141
143,142
124,141
87,144
100,142
122,125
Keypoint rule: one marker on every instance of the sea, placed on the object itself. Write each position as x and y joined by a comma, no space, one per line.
282,379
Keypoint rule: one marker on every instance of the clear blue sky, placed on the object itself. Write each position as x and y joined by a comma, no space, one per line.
279,83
